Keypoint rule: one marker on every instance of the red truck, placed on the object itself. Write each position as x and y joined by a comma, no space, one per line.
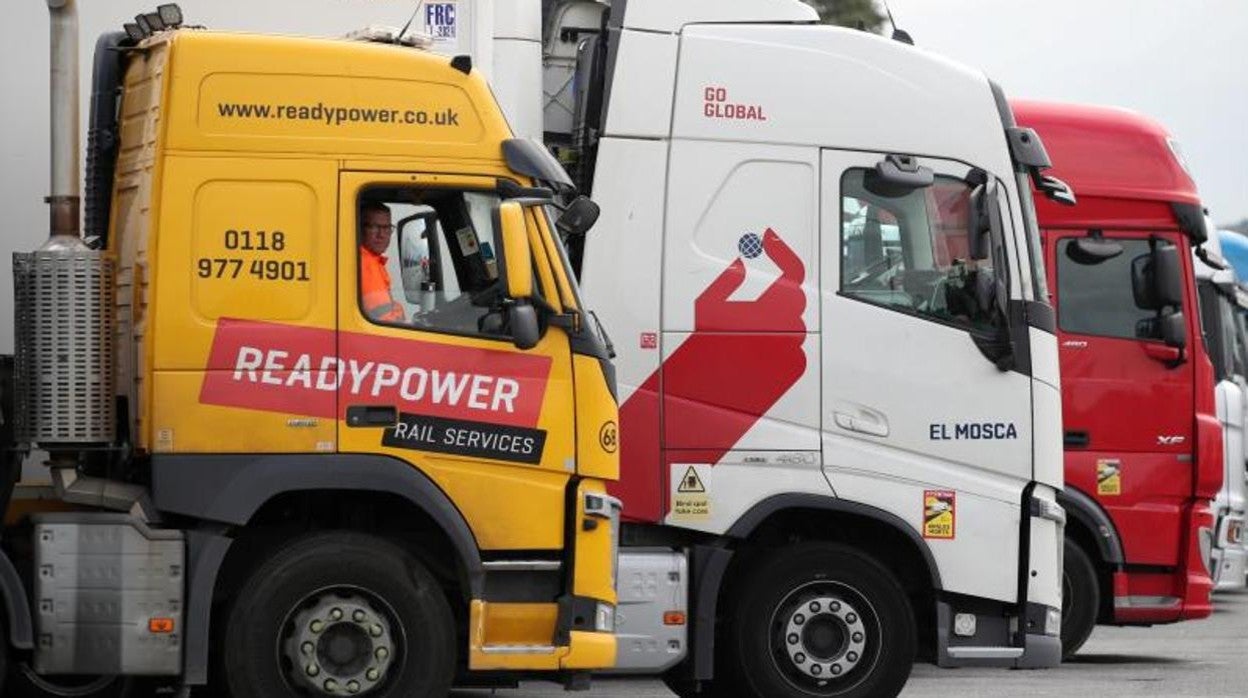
1143,445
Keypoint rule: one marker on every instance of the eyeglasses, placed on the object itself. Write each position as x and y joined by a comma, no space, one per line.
379,226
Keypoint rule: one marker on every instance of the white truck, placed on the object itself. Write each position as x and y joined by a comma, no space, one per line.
838,371
841,412
1221,297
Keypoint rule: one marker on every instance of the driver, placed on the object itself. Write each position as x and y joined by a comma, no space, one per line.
375,233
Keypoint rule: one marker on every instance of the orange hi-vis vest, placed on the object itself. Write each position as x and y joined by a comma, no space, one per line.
375,288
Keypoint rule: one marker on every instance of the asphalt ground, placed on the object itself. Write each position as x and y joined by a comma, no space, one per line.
1198,658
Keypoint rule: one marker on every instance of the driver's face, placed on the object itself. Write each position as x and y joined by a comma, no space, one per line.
377,231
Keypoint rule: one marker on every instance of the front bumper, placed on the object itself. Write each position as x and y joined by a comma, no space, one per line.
993,639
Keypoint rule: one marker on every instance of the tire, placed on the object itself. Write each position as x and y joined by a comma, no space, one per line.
816,620
1081,598
333,601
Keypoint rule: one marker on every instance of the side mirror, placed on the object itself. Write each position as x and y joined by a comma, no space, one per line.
1056,190
522,320
578,217
1174,329
517,257
985,220
1168,271
1157,278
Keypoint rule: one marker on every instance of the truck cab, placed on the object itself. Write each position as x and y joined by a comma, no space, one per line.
1143,443
1220,302
838,373
1224,326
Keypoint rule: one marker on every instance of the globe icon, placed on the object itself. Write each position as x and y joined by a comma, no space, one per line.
750,245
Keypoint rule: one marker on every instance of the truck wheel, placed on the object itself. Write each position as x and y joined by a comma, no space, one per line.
819,619
336,614
1081,598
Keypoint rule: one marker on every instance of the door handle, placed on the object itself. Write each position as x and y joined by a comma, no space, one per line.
1076,439
372,415
864,421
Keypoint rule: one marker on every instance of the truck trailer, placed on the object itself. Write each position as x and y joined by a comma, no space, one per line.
280,463
1143,442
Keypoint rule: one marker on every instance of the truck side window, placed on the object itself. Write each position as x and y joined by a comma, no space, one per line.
908,250
1095,297
427,259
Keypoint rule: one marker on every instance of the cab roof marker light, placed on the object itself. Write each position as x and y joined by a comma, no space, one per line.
170,14
154,21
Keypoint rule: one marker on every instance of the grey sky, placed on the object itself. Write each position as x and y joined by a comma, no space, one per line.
1183,62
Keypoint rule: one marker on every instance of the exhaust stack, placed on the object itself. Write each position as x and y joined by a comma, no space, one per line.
64,197
63,297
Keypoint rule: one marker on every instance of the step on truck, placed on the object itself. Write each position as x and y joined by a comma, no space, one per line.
840,407
321,408
1143,443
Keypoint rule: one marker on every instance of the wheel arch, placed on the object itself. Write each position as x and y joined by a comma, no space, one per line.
1089,524
16,612
785,514
224,492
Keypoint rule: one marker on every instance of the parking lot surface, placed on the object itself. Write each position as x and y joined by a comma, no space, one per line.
1198,658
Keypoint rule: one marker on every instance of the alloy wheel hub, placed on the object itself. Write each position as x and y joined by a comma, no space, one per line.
340,646
824,637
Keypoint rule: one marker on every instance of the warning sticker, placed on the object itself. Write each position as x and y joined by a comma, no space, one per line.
691,500
940,510
1108,476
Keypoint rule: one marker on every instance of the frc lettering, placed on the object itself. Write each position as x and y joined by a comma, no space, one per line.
319,373
715,105
440,20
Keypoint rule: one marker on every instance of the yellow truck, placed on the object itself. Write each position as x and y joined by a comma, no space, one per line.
323,411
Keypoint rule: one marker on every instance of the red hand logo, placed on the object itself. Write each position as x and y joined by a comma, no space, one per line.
741,359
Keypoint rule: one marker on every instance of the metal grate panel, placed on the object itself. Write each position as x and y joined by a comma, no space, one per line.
64,350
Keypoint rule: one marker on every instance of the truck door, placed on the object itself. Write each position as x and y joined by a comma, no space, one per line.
1114,363
428,372
916,420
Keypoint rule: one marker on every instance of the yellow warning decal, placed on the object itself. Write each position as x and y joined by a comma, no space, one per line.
1108,476
940,509
691,500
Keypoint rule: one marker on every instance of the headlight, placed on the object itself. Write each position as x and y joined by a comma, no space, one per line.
1044,509
1053,622
604,618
